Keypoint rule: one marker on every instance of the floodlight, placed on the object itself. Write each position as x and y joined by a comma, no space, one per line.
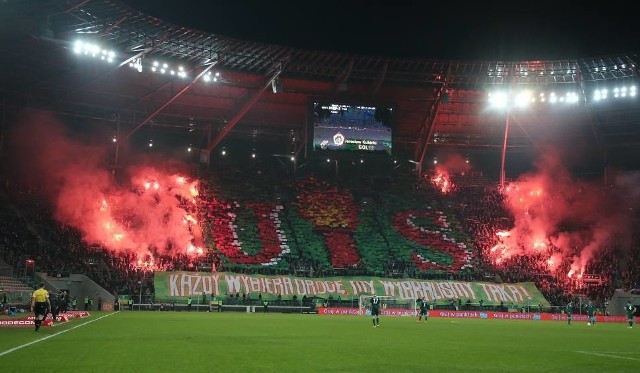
77,47
498,100
523,99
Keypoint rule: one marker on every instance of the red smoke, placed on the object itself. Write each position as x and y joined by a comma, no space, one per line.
450,165
562,218
154,210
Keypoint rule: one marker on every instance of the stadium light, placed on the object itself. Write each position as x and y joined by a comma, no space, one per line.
209,77
521,99
625,91
162,68
95,51
137,64
498,100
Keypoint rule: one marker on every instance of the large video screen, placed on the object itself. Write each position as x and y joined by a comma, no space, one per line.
342,127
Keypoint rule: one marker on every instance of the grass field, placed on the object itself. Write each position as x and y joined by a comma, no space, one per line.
241,342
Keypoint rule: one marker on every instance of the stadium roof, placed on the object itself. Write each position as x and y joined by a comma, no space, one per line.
38,68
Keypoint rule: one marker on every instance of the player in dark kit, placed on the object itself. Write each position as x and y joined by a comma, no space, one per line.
375,310
591,312
423,309
569,310
630,309
54,300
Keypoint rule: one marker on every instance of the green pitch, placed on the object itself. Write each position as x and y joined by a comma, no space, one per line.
241,342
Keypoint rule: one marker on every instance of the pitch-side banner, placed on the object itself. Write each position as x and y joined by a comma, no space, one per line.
475,315
178,286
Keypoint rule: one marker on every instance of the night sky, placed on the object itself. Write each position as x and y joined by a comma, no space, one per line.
448,30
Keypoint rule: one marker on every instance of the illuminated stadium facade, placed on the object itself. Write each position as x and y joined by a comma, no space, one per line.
124,69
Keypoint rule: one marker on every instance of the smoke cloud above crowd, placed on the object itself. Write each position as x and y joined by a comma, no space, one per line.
152,209
565,217
555,216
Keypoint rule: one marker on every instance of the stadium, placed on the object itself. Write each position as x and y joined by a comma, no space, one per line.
194,201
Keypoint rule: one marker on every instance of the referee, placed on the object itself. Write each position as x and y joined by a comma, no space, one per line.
40,304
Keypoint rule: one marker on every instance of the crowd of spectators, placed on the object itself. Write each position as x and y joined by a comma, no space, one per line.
329,212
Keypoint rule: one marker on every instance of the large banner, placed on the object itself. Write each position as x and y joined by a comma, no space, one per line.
178,286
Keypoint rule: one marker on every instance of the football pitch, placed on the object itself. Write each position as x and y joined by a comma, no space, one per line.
256,342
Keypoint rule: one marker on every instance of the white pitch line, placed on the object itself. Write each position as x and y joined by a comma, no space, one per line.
608,355
617,352
53,335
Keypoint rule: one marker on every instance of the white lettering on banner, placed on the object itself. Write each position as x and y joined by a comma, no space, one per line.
406,290
525,292
268,282
185,282
314,287
300,288
233,284
505,293
287,286
496,293
16,323
216,285
277,285
195,285
388,287
431,290
245,280
184,285
515,293
372,287
341,311
173,286
255,285
362,287
459,314
311,287
511,294
434,290
463,290
248,284
206,285
445,290
514,316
